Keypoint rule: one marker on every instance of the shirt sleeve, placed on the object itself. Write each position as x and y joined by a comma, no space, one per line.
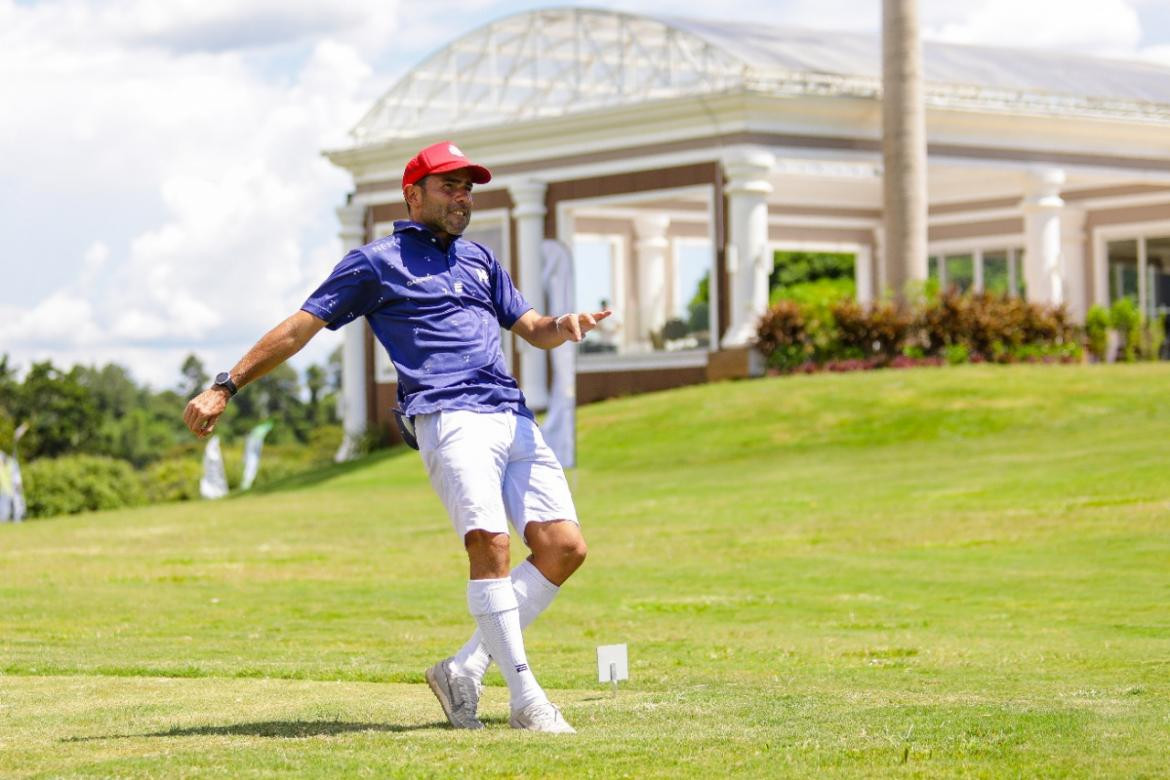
351,291
509,302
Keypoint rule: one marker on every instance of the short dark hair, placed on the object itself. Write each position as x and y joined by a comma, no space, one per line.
420,183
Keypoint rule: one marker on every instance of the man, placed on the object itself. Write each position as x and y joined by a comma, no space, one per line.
435,302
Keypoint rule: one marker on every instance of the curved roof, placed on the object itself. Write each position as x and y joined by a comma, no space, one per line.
561,61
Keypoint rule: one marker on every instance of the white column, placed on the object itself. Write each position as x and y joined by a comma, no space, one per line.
863,274
1072,228
748,264
650,255
352,403
528,210
878,278
977,270
1042,207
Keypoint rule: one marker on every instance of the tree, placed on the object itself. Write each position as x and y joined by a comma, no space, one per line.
903,147
195,377
61,411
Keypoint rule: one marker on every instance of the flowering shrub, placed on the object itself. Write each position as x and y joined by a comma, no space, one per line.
783,337
950,328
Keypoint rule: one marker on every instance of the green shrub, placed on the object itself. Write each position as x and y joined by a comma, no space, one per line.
79,483
1097,324
956,354
174,479
1127,321
820,292
1154,337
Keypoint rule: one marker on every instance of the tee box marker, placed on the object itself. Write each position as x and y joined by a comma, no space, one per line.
612,664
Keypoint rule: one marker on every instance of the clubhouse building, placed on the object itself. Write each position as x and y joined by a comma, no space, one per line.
675,156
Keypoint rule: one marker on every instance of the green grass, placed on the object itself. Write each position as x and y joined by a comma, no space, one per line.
905,573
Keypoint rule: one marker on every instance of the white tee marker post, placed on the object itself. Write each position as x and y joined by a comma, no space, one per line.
612,665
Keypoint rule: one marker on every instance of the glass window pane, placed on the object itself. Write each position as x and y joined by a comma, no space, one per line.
995,273
1123,270
1158,278
594,264
692,303
960,273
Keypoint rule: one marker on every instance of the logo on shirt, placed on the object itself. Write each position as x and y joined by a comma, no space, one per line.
482,275
458,288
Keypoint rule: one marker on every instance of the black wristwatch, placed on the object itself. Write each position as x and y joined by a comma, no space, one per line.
224,379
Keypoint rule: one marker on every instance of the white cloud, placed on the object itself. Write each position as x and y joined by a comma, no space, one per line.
236,225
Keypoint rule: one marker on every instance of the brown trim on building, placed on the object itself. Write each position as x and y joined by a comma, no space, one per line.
827,234
1121,191
1156,212
370,344
388,212
786,210
975,205
611,384
395,210
385,395
992,227
723,315
1048,156
624,184
688,230
367,332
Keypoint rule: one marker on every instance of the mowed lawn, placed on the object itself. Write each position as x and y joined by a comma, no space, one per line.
939,572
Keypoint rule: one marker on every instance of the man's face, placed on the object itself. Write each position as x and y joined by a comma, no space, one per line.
442,202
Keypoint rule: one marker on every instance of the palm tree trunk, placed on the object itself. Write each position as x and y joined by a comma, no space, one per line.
903,149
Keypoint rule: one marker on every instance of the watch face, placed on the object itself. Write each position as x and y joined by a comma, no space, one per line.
222,378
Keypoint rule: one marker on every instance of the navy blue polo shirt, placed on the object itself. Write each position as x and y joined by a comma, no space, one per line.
436,312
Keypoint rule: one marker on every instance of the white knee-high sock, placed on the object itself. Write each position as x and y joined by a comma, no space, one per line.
493,605
534,593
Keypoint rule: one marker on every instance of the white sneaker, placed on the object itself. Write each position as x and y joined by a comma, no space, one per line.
458,694
544,717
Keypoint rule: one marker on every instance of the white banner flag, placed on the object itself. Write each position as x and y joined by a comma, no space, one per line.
252,447
214,482
6,491
18,506
560,427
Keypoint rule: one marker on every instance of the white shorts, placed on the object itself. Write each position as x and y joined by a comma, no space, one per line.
492,468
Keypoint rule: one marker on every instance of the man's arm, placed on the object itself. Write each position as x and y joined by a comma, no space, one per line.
547,332
277,346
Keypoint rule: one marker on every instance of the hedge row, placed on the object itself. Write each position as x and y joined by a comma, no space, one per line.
83,483
950,328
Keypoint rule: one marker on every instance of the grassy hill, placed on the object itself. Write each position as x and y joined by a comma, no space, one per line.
930,572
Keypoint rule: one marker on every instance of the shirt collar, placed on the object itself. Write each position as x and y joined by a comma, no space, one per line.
407,225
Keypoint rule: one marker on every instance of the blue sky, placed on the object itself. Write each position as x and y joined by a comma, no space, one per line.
163,189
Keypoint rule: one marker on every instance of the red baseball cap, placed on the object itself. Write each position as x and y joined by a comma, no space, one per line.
441,158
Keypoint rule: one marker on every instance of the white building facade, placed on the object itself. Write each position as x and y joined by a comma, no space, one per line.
677,156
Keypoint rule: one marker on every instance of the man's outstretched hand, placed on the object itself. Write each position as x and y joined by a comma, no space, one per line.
204,410
574,326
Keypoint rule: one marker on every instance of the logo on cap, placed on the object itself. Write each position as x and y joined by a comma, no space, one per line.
455,150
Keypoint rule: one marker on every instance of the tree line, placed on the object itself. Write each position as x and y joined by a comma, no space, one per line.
103,411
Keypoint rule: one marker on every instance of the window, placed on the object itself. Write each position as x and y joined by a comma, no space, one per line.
691,310
1123,270
996,271
1158,276
598,283
960,273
